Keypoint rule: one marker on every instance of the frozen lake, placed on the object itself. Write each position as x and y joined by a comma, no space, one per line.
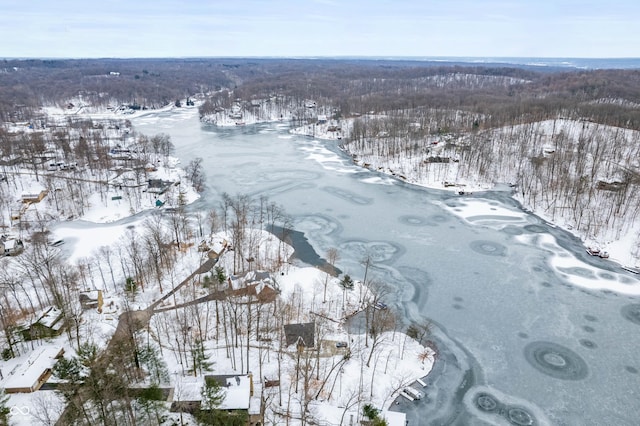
520,342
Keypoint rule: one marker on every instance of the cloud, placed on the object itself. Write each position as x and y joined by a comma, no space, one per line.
161,28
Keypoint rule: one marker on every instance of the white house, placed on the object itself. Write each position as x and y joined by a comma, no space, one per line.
10,246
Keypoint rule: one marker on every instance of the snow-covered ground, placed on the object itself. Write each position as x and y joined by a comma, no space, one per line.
95,238
397,361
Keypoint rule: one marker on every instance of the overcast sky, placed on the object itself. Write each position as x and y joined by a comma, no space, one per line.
163,28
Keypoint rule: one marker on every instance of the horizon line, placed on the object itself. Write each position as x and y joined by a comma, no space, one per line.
374,57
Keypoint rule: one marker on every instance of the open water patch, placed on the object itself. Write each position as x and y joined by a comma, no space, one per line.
631,313
556,361
489,248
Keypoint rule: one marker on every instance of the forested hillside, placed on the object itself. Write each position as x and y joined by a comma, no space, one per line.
566,138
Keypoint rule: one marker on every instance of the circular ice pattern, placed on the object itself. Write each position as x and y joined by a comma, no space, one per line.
486,402
413,220
512,230
555,360
606,276
588,344
439,218
631,312
519,416
578,271
536,229
375,251
488,247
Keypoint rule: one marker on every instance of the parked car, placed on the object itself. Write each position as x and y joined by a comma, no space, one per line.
341,344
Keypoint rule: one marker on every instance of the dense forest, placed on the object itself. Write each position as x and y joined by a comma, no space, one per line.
498,92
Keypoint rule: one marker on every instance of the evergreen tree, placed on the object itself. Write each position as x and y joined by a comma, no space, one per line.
155,364
201,361
150,400
4,408
347,282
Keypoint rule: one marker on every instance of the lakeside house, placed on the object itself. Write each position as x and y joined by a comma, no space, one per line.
30,374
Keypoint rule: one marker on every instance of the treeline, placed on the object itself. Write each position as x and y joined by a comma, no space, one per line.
26,85
505,93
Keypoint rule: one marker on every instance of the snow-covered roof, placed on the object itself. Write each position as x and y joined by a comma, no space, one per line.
50,316
27,373
236,389
394,418
10,244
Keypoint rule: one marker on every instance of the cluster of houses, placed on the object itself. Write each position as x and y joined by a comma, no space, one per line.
242,395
